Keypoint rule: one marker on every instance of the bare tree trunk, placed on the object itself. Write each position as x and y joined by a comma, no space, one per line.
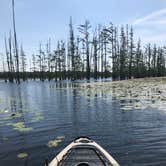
15,44
95,57
11,58
7,59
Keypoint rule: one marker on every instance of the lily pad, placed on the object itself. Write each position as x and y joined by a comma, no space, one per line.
5,138
37,117
60,137
4,111
22,155
126,108
12,116
20,126
55,142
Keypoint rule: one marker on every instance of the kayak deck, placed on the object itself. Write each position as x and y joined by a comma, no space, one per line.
84,154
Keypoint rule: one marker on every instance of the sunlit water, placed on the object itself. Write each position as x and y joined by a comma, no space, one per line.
136,137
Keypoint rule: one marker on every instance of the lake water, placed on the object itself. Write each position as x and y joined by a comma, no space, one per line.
34,113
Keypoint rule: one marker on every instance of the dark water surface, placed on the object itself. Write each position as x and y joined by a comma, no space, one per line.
133,138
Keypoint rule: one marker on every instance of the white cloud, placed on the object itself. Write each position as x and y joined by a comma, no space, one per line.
152,18
151,27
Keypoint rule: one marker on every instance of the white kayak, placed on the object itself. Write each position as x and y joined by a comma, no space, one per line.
83,152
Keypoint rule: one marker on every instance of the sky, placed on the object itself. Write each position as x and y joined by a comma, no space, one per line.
39,20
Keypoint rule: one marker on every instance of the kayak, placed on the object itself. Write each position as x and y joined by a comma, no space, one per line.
83,152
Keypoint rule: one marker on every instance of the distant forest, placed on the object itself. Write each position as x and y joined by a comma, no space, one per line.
106,51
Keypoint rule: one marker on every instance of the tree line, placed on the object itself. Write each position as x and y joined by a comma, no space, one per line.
102,52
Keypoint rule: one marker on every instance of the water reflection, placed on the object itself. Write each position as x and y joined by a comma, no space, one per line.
121,117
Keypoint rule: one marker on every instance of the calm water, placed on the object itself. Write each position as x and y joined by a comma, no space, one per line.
134,138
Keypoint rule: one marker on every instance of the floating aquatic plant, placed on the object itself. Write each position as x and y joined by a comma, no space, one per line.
55,142
22,155
127,108
4,111
150,92
12,116
60,137
20,126
5,138
37,117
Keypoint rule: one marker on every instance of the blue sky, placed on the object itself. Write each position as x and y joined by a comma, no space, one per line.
37,20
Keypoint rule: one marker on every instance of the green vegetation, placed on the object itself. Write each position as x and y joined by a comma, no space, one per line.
135,94
22,155
55,142
37,117
20,126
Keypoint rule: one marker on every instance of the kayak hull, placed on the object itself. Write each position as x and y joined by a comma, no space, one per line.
83,152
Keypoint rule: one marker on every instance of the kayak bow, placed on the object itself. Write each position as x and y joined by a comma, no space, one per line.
83,152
